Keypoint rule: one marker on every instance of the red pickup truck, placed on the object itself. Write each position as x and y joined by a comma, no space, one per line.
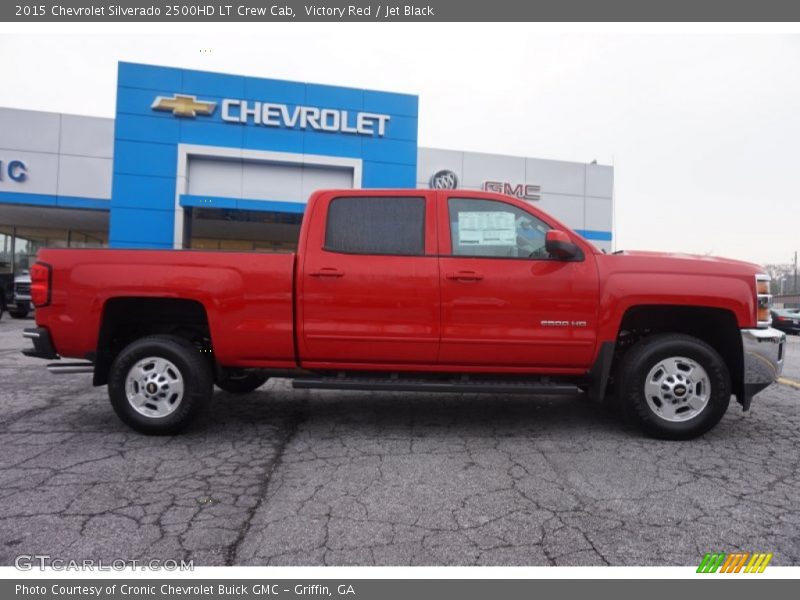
413,290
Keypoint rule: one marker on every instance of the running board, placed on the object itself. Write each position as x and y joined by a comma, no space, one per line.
70,368
423,385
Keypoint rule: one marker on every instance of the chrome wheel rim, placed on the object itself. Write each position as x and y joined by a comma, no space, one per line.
154,387
677,389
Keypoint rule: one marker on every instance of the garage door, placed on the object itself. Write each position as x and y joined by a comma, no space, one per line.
255,180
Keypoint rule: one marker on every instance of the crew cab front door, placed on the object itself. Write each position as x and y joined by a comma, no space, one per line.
505,302
368,294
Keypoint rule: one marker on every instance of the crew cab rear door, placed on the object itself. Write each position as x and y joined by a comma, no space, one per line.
368,288
505,303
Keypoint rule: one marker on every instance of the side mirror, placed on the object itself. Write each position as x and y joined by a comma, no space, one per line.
558,245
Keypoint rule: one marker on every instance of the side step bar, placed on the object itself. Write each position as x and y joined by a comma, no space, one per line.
70,368
422,385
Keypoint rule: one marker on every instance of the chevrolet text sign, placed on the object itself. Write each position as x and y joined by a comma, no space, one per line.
277,115
304,117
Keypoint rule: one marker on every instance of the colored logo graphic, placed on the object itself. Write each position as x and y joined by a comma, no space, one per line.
182,105
737,562
444,180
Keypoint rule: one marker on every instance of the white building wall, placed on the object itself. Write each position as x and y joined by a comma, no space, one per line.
65,155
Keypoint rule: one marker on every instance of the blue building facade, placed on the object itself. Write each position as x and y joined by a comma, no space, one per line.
166,117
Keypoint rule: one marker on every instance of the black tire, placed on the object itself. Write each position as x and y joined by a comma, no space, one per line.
192,368
19,312
644,356
240,383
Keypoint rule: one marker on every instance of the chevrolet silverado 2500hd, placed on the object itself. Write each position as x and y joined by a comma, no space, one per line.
416,290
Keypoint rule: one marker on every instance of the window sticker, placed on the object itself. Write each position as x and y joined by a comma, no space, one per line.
493,228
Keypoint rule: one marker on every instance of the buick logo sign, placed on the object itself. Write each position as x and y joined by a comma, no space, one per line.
444,180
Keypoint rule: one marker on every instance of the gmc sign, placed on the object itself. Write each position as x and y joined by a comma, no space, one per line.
523,191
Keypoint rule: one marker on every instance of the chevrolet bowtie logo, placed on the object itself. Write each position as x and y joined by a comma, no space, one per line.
184,106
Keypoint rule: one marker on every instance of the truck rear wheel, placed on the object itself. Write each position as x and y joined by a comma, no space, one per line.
240,383
157,385
674,386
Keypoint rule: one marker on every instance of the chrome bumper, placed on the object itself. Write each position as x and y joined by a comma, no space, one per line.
764,350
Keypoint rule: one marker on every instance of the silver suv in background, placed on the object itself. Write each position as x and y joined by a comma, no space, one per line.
20,304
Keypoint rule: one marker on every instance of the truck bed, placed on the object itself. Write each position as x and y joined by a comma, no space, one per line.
246,295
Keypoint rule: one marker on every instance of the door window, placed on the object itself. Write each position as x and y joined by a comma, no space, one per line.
487,228
377,225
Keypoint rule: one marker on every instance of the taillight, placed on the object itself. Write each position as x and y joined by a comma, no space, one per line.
41,274
763,301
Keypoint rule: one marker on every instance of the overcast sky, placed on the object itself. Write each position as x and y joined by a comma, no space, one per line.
703,129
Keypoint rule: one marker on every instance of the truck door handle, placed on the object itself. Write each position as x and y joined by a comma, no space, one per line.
327,272
465,276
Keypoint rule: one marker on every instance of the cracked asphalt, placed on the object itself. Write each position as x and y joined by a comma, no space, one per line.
295,477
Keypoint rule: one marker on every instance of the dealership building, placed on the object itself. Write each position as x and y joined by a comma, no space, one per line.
220,161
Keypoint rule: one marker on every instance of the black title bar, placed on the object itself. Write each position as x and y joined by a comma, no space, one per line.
432,11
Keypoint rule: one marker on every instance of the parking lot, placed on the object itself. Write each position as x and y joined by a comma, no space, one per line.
294,477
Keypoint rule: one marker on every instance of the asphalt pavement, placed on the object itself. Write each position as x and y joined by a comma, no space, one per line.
295,477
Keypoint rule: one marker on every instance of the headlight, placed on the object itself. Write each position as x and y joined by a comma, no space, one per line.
763,301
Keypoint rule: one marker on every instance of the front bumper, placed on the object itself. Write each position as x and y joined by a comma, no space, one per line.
764,351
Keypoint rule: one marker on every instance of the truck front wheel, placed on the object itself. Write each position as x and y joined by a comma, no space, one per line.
674,386
157,385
